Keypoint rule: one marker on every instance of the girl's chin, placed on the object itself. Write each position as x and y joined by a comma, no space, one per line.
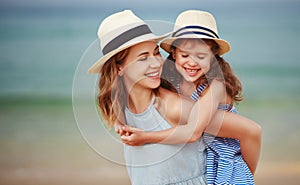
190,78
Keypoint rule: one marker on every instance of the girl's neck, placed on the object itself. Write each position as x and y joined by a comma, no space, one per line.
187,88
139,100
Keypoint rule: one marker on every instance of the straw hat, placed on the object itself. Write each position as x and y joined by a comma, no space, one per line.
195,24
120,31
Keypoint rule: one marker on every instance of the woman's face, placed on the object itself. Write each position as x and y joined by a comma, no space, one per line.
192,59
143,66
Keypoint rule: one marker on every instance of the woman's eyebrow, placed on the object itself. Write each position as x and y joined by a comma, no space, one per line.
144,53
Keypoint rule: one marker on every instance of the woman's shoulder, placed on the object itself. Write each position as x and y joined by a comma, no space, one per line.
169,98
175,106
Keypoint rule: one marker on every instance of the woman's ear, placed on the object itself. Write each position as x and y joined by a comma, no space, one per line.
120,71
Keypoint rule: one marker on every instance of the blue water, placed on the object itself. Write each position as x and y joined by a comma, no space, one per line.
40,48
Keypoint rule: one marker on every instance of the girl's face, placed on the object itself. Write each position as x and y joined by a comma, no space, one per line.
192,59
143,66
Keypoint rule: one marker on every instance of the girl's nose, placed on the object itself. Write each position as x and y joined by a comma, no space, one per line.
191,61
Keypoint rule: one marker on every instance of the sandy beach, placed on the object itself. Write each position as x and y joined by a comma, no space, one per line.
42,44
42,145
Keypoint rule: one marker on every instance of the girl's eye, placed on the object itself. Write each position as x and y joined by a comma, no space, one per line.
200,57
184,55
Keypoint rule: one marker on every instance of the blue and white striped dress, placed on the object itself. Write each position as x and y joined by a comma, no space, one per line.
225,164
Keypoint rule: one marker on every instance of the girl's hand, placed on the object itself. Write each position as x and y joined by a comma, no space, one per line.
134,136
118,129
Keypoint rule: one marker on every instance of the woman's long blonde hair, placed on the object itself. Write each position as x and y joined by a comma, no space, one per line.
112,96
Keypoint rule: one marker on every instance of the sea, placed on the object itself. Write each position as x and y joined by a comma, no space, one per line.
46,50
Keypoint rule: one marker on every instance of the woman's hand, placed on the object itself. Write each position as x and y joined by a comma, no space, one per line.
133,136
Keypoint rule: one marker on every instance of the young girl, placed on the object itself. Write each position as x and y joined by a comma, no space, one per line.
196,49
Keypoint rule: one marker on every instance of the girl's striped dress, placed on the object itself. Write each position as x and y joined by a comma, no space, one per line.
225,164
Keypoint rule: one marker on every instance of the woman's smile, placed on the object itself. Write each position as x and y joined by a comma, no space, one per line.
153,75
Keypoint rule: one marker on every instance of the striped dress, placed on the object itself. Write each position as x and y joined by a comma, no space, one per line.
225,164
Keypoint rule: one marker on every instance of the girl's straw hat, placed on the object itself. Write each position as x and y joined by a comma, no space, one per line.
195,24
120,31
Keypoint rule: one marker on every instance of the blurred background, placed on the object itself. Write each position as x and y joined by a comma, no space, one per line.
42,43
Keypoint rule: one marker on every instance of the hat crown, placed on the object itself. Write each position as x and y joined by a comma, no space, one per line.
120,31
116,24
195,24
196,18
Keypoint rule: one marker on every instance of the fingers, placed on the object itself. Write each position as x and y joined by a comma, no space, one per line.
119,131
122,132
128,129
127,140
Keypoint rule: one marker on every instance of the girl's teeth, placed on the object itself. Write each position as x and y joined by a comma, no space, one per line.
191,70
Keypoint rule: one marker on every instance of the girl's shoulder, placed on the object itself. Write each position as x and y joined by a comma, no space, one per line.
216,87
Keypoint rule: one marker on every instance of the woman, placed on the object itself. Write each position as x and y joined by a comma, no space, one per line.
129,85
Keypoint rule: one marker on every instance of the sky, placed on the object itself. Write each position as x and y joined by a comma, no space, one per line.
145,3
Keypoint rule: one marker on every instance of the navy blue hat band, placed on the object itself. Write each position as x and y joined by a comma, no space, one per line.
125,37
198,30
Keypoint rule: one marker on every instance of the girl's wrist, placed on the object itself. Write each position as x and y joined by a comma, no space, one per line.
149,137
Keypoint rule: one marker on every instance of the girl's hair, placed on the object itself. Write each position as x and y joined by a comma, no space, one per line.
112,96
219,69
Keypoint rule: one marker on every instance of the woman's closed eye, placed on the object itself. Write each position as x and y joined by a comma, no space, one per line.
143,58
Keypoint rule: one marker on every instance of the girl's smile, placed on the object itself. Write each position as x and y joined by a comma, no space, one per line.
193,59
192,71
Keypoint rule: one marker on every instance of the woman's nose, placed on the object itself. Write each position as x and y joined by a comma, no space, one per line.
156,62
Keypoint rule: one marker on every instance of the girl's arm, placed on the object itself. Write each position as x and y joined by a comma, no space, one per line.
248,132
199,117
223,124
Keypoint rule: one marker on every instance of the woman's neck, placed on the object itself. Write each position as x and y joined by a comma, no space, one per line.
187,88
139,100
